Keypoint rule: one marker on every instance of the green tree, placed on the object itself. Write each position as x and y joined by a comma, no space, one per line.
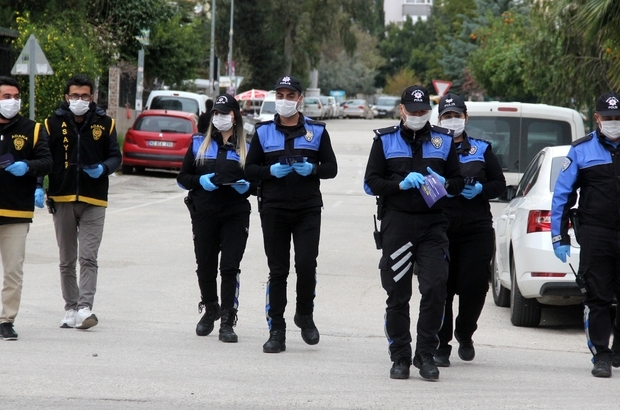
396,84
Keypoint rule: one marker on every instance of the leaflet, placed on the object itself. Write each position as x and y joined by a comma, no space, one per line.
432,190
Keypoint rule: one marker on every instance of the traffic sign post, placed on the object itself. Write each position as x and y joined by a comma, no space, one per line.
442,87
31,62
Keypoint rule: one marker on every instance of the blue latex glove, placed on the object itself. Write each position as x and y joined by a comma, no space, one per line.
241,186
205,181
38,197
439,177
278,170
303,168
94,172
471,191
562,252
18,168
413,180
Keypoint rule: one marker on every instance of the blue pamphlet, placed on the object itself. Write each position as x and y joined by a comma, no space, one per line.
432,190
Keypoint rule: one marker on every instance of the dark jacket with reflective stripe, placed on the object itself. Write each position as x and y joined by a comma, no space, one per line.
308,138
26,141
75,146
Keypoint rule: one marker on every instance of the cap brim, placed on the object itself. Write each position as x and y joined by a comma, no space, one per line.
288,87
608,113
413,107
222,108
451,109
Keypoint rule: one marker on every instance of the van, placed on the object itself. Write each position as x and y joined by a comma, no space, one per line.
268,107
518,131
177,101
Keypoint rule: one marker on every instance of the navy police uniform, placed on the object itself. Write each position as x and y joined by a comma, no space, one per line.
471,236
411,232
593,166
290,205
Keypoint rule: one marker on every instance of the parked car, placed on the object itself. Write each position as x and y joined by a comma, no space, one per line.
158,139
268,107
177,100
314,108
387,106
357,108
526,273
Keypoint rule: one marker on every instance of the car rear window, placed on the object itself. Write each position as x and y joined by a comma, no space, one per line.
389,101
309,100
155,123
176,104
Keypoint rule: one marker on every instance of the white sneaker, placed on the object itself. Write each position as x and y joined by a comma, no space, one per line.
85,319
69,320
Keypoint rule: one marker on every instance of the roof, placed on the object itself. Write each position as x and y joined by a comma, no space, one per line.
5,32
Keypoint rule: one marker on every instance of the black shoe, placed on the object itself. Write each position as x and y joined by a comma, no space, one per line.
276,342
426,363
442,359
8,333
466,350
212,313
309,332
602,368
229,320
400,368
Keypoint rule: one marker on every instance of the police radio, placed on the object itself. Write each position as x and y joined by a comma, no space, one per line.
377,235
581,281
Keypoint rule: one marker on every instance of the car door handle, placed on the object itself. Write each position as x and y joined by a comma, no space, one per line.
504,217
511,217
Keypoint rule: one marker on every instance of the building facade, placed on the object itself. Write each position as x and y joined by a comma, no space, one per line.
396,11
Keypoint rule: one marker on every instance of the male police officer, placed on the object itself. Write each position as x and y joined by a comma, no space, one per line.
289,156
593,166
411,231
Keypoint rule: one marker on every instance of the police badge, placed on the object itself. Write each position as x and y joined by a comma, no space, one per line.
473,150
437,142
18,142
97,133
309,135
566,164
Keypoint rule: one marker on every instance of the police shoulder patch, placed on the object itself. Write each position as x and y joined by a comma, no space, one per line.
567,162
258,124
442,130
314,122
583,139
437,141
387,130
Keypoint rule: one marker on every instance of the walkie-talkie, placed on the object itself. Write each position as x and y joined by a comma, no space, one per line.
377,235
581,281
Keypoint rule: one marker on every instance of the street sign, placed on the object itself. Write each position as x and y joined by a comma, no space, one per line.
442,87
32,56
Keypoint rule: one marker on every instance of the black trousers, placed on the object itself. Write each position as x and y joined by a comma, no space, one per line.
470,258
599,262
409,238
214,233
304,225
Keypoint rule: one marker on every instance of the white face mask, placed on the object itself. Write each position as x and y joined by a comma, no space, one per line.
79,107
455,124
9,108
286,108
611,129
222,122
415,123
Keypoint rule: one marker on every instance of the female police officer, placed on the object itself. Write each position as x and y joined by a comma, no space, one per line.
470,231
213,172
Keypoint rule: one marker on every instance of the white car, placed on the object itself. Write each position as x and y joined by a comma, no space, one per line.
526,273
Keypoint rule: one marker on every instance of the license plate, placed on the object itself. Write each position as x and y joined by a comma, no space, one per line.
160,143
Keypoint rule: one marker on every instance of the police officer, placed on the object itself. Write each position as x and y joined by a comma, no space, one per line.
220,211
470,231
24,155
593,166
289,156
411,230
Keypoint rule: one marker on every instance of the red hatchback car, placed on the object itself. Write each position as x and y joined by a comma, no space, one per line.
158,139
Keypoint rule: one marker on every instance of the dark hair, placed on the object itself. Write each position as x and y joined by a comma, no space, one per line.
209,104
79,80
10,81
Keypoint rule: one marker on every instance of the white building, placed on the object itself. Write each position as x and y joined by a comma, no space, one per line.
396,11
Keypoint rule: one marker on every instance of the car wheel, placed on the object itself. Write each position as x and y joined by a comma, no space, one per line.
140,170
126,170
501,295
523,312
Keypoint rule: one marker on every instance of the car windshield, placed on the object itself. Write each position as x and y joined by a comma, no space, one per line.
324,100
268,107
153,123
357,102
387,101
176,104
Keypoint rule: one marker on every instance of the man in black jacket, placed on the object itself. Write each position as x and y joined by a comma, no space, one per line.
24,156
85,151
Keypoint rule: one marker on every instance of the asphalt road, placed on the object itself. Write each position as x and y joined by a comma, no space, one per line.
144,353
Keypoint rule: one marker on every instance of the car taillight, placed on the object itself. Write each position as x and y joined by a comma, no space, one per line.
361,107
129,138
345,107
548,275
539,221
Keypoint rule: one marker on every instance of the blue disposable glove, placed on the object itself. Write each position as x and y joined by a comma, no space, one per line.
18,168
471,191
439,177
241,186
278,170
38,197
205,181
413,180
303,168
562,252
94,172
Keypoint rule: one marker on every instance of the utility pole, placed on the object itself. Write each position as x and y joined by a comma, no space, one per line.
212,92
231,70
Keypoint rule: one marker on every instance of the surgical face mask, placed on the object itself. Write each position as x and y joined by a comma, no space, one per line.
415,123
9,108
286,108
79,107
455,124
222,122
611,129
